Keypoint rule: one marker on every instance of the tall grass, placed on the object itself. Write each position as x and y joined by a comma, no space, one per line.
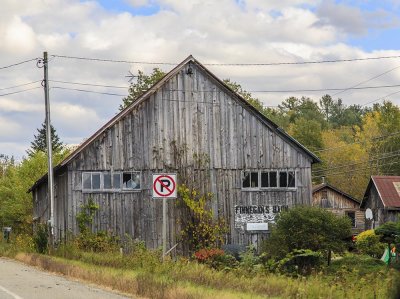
140,272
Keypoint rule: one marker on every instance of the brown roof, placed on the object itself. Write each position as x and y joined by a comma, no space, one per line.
387,190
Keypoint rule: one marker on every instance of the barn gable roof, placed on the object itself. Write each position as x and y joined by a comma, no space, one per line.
329,186
388,188
155,88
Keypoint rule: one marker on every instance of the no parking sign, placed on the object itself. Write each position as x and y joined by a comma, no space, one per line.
164,185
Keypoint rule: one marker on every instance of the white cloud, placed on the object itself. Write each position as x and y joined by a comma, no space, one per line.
213,31
18,37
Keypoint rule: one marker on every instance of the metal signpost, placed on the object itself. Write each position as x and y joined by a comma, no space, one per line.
164,186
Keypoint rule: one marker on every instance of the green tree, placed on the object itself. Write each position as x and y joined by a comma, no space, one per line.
389,233
39,144
143,83
312,228
308,132
15,202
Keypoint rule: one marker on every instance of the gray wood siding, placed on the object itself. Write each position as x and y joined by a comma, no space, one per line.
189,116
380,213
339,204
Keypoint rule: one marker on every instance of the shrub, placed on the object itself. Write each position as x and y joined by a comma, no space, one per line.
369,243
305,227
200,228
97,242
41,238
301,262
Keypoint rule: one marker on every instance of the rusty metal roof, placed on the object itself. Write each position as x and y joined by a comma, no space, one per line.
389,189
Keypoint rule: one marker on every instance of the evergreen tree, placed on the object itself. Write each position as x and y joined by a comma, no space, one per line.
39,143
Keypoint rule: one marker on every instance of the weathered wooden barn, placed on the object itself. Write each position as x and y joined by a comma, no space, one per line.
382,196
192,124
340,203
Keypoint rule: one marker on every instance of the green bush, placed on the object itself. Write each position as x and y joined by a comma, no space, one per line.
97,242
41,238
369,243
301,262
305,227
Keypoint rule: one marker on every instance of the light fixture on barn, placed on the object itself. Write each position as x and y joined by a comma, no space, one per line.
189,71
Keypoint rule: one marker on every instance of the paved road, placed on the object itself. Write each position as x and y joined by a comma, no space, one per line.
18,281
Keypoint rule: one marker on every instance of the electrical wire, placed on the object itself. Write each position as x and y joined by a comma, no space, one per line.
10,93
20,85
227,64
88,91
368,80
355,142
17,63
89,84
355,170
253,91
381,98
388,155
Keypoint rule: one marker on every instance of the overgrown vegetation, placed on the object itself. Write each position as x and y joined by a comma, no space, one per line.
201,229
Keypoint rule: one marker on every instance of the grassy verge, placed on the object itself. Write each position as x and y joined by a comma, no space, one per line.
141,274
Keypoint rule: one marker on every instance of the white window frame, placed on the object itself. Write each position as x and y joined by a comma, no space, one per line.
91,181
112,174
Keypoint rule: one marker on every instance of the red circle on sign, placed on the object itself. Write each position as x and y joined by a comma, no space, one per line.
158,180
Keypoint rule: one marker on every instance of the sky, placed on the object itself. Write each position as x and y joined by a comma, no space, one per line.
224,32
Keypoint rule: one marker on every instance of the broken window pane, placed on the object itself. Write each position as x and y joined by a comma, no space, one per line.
254,179
291,179
131,180
246,180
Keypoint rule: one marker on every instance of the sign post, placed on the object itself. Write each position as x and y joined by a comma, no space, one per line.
164,186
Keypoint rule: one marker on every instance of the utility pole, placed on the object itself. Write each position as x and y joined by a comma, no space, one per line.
49,145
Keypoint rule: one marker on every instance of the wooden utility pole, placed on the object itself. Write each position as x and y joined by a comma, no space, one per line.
49,146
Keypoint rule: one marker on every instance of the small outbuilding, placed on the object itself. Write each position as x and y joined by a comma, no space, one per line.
192,124
382,197
340,203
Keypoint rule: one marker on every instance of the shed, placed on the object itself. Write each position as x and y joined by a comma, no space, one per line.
192,124
340,203
382,196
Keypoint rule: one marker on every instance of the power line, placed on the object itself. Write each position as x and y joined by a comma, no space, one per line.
17,63
88,91
10,93
355,142
381,98
370,79
388,155
355,170
253,91
20,85
89,84
228,64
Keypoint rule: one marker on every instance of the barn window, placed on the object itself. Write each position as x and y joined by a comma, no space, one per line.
269,179
91,181
111,181
256,180
250,179
352,216
131,180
